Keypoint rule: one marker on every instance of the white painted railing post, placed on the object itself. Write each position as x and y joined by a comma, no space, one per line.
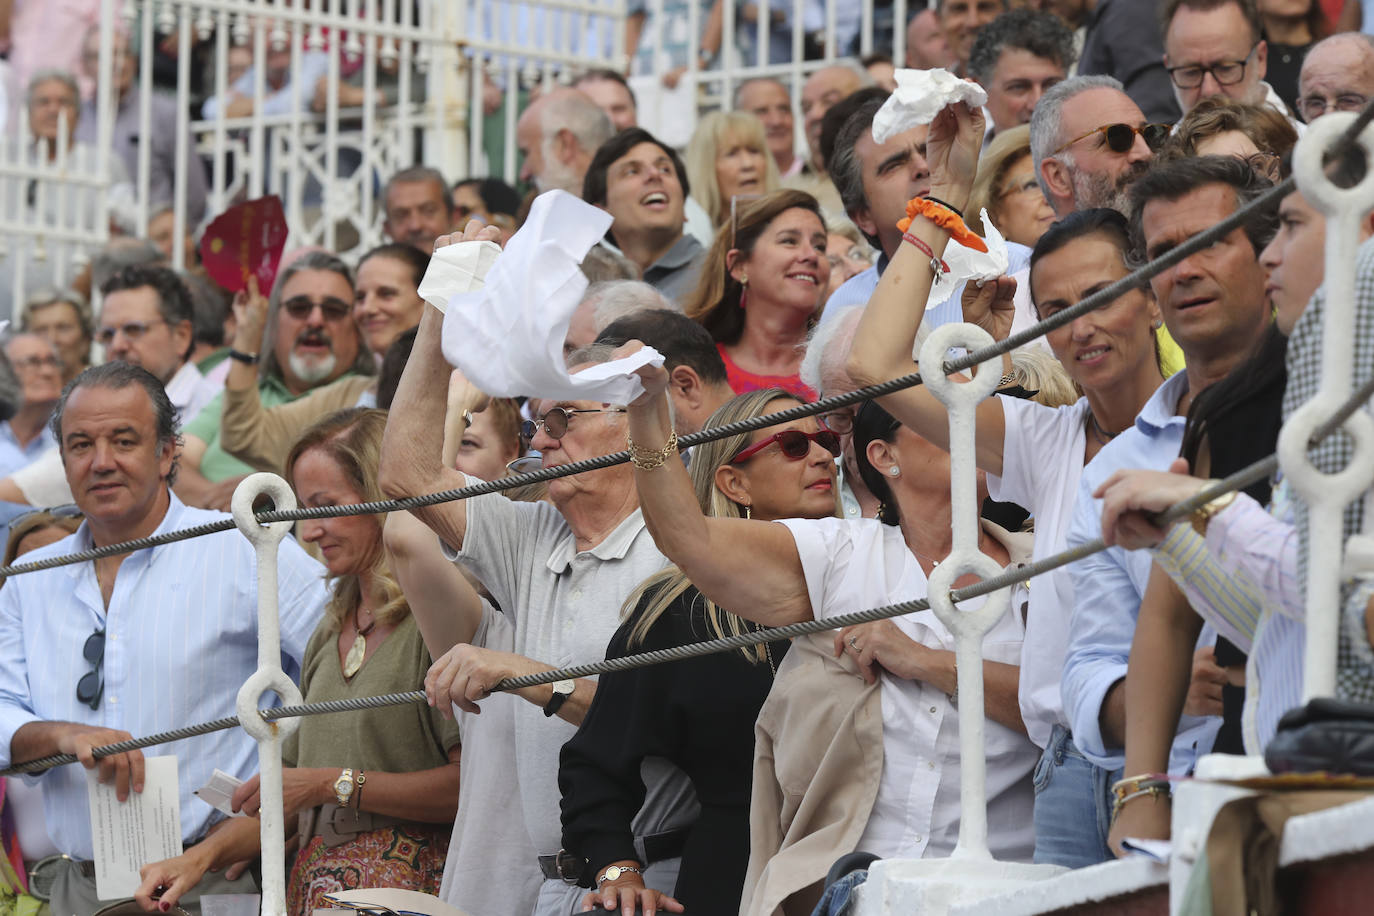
1327,495
269,677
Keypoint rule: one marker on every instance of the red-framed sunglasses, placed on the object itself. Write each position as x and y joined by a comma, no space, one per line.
794,444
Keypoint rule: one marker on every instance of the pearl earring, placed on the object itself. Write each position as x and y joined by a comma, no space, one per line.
893,471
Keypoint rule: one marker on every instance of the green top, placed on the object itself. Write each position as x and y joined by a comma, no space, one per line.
216,357
218,464
394,739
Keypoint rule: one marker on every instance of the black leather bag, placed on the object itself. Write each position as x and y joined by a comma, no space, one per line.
1329,735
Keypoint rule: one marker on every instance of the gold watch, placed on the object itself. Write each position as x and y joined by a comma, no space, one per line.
343,787
1203,514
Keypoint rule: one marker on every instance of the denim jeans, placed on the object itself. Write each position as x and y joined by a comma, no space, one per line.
837,897
1073,808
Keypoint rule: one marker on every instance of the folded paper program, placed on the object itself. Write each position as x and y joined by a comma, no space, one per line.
505,317
919,97
969,264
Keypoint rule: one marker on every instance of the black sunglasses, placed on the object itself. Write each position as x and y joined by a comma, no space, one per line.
91,687
555,421
333,309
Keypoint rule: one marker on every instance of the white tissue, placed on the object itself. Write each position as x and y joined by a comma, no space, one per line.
970,264
507,336
919,97
455,269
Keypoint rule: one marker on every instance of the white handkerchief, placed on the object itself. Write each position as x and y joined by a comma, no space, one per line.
507,336
970,264
919,97
457,268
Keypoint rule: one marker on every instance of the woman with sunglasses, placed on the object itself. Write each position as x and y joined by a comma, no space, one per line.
779,572
698,713
385,781
1034,455
762,287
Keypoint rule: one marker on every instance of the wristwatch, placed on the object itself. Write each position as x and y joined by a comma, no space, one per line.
561,691
343,787
615,871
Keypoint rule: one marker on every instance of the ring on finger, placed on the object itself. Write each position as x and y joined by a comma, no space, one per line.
854,643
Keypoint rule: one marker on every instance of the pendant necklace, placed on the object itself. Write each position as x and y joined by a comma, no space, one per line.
354,660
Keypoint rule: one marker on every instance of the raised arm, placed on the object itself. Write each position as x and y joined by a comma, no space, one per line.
751,567
446,605
412,449
886,335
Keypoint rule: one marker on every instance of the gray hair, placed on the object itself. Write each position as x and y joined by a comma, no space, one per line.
1042,34
120,253
739,90
573,111
615,299
418,174
49,74
268,366
828,346
1046,122
846,171
46,296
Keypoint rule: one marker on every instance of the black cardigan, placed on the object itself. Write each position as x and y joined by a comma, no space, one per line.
698,713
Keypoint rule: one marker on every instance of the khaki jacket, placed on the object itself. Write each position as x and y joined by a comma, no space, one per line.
811,798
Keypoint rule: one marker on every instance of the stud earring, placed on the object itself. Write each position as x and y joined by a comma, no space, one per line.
894,472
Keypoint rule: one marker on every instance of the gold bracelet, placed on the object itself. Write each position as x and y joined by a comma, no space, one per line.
651,459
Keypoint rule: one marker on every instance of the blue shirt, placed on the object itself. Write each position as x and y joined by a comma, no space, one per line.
14,456
1109,586
181,638
858,289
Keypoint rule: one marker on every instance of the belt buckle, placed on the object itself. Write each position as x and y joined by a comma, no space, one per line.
569,867
43,875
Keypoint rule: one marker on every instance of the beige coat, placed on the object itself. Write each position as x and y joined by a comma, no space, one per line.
811,799
262,437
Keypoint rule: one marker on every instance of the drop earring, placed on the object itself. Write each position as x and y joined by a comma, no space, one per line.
743,293
748,513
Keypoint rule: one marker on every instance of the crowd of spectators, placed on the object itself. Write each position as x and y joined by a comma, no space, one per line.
774,259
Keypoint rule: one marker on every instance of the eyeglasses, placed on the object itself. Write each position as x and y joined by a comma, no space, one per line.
133,330
1121,137
555,422
1314,106
840,420
91,687
1266,164
300,307
794,444
1225,72
70,510
35,362
1030,184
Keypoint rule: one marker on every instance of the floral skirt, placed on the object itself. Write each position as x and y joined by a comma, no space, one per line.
409,857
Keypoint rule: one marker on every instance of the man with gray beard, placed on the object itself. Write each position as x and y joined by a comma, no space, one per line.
1089,144
310,341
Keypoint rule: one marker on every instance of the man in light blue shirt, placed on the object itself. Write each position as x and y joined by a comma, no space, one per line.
25,436
1215,308
137,643
875,180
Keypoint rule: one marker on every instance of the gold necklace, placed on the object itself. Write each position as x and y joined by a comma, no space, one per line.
354,660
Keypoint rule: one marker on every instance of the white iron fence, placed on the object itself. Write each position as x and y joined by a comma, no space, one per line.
319,101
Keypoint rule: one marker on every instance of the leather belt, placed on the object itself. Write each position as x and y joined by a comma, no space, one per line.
650,849
341,825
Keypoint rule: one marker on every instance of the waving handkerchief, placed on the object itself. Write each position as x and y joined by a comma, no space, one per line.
507,336
919,97
967,264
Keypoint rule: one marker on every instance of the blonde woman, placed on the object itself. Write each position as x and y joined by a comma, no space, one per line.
728,158
1007,188
698,713
374,793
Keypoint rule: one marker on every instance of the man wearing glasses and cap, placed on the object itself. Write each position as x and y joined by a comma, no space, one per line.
1214,47
137,643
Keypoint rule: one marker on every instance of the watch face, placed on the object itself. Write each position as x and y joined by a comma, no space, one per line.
343,786
615,871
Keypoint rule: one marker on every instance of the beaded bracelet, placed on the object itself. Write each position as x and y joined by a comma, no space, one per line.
651,459
945,218
937,266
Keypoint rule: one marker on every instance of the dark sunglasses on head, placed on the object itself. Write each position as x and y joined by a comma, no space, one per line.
300,308
794,444
92,684
1121,137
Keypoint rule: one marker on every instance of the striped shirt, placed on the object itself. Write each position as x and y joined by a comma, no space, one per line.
1242,579
181,638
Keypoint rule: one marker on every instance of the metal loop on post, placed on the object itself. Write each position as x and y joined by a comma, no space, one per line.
266,539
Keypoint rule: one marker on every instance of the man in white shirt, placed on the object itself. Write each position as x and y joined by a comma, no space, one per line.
135,643
146,321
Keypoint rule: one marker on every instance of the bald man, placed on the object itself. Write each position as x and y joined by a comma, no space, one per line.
557,137
1337,75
